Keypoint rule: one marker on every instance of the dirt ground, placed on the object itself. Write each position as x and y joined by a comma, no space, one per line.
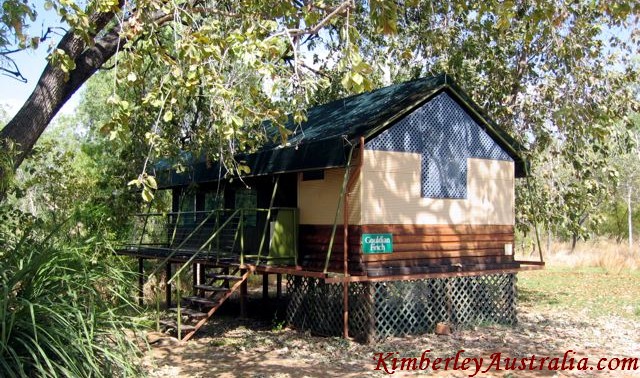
232,347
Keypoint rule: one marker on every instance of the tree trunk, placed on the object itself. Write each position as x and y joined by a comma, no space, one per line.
575,235
630,219
53,90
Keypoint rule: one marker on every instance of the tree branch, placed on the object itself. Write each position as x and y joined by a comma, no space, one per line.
208,10
8,52
53,30
315,29
13,72
315,71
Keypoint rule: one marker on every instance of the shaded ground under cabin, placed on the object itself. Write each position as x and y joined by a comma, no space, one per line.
388,212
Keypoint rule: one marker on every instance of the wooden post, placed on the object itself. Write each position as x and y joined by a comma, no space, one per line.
243,295
178,300
345,265
167,284
140,281
201,275
265,286
241,237
226,271
195,277
345,242
345,309
278,285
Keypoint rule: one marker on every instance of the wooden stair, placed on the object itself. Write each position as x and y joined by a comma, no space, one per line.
191,313
172,325
215,276
210,288
197,309
195,301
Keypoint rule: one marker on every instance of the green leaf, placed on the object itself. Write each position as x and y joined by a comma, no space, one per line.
151,182
135,182
237,120
147,194
168,116
357,78
346,81
113,99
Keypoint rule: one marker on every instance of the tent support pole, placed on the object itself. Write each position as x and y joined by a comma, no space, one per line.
335,219
266,223
345,251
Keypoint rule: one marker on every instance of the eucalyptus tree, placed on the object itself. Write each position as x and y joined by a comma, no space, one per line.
628,166
205,74
558,74
238,60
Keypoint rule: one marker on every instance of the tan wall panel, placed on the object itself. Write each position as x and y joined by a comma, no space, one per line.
386,161
391,192
491,169
318,199
355,201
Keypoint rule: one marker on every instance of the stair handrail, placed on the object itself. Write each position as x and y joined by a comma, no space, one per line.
144,225
241,228
176,249
203,246
176,275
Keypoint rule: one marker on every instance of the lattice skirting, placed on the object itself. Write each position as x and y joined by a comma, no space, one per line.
396,308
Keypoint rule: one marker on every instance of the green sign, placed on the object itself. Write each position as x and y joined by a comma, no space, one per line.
377,243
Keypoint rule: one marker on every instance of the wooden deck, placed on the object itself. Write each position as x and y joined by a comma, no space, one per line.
264,266
217,276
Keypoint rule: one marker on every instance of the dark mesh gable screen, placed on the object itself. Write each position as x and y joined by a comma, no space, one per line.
446,136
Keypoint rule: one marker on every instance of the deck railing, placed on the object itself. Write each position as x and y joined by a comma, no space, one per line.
191,237
206,234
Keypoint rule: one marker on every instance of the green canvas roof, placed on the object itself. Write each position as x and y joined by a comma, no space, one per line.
323,141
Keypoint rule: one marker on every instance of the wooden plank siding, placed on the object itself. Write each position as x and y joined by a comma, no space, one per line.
314,243
429,235
416,248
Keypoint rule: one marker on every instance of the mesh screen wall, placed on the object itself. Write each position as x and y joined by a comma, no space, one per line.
446,136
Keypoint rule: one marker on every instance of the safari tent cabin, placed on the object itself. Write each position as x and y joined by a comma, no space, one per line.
425,179
407,186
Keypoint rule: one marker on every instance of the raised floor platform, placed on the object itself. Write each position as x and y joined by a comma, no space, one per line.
263,265
367,307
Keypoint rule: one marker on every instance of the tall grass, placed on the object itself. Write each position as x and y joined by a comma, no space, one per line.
601,253
64,310
597,253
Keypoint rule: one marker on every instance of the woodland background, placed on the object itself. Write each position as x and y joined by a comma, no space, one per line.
159,77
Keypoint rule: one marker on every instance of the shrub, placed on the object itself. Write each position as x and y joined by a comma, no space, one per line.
64,310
